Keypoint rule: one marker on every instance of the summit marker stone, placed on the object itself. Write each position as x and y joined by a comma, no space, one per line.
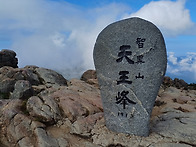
130,60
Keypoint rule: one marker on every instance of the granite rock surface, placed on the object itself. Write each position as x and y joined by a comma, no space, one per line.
129,71
72,116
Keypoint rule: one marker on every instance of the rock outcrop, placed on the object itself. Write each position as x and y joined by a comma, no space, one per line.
90,77
178,83
71,115
28,81
8,58
39,108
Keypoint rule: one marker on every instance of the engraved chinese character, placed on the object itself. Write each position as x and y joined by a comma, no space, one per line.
122,114
139,76
122,99
123,78
124,54
139,59
140,42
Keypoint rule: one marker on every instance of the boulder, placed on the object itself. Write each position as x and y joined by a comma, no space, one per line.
6,87
79,99
84,125
8,58
17,80
44,139
44,109
50,77
167,81
37,79
177,125
7,81
179,83
19,128
89,74
90,77
22,90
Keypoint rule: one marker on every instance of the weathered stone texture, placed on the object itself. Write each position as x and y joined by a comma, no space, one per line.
130,71
8,58
73,117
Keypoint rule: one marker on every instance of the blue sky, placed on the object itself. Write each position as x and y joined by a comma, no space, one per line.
60,34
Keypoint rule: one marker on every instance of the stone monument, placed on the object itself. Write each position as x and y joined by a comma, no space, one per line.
130,60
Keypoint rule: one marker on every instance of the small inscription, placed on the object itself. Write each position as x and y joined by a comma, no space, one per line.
139,76
139,59
140,42
122,114
122,99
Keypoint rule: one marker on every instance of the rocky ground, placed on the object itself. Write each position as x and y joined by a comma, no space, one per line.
39,108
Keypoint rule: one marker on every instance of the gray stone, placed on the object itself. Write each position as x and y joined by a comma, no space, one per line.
44,108
44,140
7,58
178,126
25,142
18,130
10,108
89,74
62,142
51,78
172,124
6,86
31,77
83,126
22,90
130,60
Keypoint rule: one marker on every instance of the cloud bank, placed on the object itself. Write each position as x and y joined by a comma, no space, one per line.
170,16
55,34
61,36
183,67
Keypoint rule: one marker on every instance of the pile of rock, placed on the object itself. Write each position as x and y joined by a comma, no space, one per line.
178,83
21,83
38,107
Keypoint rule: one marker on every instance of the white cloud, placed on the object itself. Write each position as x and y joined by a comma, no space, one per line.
61,36
170,16
59,39
172,58
21,14
183,66
55,34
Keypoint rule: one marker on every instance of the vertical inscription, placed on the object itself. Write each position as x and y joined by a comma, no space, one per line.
125,53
